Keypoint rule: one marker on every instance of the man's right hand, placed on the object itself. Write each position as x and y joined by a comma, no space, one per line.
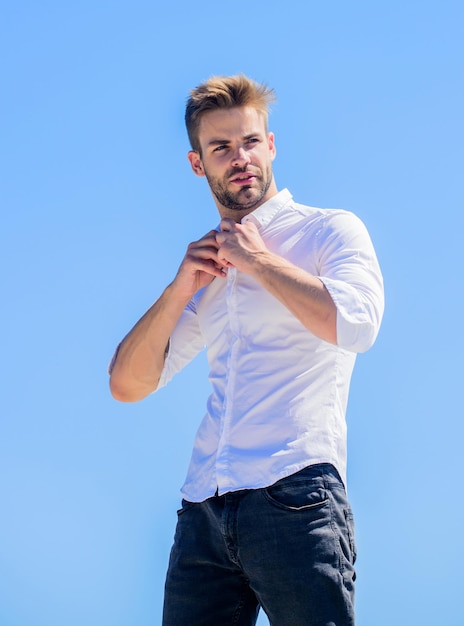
199,266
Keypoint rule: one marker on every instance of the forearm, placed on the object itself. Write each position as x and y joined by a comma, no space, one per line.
304,295
139,361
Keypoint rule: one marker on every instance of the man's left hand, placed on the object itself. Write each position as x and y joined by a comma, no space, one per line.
239,244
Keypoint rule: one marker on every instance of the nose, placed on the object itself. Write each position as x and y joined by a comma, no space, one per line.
241,158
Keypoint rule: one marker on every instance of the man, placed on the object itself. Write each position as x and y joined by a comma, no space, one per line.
283,296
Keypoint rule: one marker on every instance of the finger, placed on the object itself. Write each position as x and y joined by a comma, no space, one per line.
203,264
222,259
227,224
208,239
220,238
209,245
215,269
202,253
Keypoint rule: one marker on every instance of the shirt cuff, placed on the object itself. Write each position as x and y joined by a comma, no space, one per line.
358,321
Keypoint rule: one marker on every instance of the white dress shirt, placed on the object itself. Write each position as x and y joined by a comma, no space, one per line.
279,394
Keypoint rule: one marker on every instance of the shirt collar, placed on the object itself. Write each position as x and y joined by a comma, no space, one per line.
267,211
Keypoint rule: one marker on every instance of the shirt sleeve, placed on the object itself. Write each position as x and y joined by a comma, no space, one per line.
185,343
351,273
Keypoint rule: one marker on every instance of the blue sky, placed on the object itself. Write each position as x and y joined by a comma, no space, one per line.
98,204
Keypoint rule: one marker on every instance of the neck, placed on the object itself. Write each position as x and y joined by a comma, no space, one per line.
235,215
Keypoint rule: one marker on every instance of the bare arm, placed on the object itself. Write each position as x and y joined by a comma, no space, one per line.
139,360
241,246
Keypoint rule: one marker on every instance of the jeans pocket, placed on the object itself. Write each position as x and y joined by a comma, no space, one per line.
349,520
300,494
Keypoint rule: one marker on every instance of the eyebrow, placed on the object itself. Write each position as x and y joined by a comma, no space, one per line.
217,142
220,142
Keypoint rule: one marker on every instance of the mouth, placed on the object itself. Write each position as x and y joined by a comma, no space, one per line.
243,179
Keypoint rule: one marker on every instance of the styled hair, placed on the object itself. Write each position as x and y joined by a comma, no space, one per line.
224,92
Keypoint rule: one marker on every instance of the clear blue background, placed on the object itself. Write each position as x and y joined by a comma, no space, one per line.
97,206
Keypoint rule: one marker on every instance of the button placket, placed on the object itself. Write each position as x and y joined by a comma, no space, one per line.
222,459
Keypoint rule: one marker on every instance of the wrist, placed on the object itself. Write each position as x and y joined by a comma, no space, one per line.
177,293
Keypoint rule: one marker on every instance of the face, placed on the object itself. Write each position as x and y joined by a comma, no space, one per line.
236,158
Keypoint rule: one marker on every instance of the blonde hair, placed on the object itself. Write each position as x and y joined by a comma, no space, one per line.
224,92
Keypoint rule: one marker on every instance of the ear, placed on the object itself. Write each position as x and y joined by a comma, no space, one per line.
196,163
271,145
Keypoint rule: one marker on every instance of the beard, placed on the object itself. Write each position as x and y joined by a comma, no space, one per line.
247,197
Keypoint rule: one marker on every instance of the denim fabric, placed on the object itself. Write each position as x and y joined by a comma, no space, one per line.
288,548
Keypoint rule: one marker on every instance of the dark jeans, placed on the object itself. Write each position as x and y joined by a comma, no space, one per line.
288,548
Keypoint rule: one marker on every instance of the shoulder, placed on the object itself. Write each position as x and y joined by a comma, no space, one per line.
327,220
